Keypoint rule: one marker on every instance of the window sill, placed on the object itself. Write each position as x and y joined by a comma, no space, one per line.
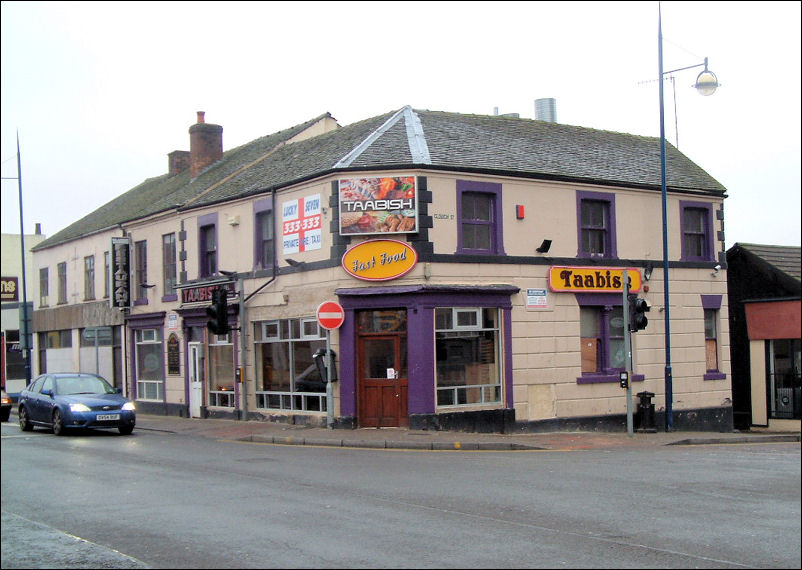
606,378
714,375
169,298
140,302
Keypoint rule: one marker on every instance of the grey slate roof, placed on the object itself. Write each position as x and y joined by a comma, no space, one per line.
787,259
407,139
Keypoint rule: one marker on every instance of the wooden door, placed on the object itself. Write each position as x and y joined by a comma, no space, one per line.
382,380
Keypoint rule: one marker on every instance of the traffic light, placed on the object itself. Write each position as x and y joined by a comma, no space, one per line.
218,312
624,379
637,316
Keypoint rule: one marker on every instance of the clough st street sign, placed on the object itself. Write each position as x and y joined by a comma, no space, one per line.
592,279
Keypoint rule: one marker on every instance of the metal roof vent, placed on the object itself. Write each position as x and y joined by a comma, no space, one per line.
546,110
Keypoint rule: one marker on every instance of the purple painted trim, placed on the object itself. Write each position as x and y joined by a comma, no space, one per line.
709,233
420,302
498,221
138,322
711,302
715,376
604,378
139,302
205,221
599,299
259,207
170,298
612,240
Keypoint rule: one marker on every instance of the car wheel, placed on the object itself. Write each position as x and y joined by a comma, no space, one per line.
126,430
58,423
24,423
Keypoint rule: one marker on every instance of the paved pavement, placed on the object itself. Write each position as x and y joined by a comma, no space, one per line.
400,438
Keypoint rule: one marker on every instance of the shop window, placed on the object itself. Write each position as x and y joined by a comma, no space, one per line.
697,231
149,364
89,277
601,339
286,374
44,286
62,282
785,379
467,356
596,231
169,267
479,215
221,371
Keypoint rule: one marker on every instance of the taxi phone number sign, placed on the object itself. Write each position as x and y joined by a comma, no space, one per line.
301,224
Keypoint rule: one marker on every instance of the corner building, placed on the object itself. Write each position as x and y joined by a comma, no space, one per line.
478,261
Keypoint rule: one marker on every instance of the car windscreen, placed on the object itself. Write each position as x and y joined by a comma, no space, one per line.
82,385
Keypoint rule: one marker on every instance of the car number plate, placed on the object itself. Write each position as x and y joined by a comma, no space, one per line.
104,417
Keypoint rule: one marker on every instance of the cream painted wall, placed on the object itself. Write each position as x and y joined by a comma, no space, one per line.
757,358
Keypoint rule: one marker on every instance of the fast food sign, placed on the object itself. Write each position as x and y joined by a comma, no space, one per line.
379,259
381,205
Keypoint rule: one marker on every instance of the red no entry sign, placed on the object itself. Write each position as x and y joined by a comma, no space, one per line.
330,315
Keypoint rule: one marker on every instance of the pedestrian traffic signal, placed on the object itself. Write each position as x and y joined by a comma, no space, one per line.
624,379
637,317
218,312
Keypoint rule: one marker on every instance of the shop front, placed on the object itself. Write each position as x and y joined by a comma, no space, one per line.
427,357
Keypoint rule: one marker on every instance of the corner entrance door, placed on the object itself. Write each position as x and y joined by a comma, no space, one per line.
195,379
382,380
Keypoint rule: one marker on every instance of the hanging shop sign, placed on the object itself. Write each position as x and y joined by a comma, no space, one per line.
378,205
379,259
120,273
301,224
592,279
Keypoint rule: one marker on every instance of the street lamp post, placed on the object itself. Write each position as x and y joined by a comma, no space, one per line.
706,84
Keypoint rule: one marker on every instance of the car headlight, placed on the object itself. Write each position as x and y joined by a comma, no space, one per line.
129,406
79,408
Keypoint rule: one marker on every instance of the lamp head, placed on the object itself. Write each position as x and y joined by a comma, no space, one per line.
706,82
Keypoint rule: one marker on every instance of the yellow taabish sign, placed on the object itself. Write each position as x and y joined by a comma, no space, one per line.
592,279
379,259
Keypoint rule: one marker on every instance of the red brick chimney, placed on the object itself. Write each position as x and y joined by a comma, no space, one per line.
178,162
205,145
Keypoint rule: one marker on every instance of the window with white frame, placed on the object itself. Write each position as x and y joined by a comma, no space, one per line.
149,364
467,356
221,370
286,374
169,267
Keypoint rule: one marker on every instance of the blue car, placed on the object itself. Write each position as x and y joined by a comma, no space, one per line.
74,401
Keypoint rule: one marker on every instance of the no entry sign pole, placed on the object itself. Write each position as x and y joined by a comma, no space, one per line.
330,315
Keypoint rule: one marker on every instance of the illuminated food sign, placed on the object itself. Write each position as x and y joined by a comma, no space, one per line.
379,259
592,279
378,205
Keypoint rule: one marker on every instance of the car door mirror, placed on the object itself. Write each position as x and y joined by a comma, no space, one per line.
118,390
47,392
